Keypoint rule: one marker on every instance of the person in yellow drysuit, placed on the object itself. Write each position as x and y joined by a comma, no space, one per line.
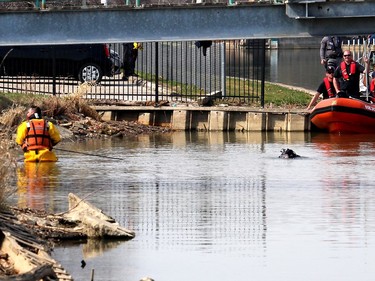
37,136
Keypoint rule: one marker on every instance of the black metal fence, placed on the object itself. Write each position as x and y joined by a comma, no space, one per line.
164,71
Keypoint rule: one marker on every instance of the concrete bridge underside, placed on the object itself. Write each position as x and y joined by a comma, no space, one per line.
191,22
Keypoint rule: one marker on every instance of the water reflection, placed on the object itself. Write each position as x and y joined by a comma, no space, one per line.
218,206
295,67
35,183
94,248
347,155
344,145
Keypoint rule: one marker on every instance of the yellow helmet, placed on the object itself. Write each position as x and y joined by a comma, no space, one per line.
137,45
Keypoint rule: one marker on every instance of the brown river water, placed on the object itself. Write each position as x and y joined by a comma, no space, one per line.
218,206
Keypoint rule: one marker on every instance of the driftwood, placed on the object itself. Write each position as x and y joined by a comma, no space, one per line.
25,257
40,272
94,222
24,236
49,226
81,221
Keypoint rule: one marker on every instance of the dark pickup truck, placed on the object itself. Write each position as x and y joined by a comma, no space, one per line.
84,62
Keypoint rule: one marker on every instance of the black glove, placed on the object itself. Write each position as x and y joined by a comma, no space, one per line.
341,94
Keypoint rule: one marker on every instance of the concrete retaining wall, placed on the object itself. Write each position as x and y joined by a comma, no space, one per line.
210,118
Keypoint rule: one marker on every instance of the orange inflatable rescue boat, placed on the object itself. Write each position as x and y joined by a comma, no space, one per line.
344,115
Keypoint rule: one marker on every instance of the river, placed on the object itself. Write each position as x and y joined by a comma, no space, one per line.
295,67
218,206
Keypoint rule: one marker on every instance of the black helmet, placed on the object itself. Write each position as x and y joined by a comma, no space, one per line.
330,69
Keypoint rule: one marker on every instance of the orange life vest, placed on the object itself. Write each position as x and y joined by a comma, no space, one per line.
37,136
372,86
328,87
345,74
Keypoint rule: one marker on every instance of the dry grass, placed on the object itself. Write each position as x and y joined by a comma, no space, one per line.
71,104
8,162
8,165
54,107
12,116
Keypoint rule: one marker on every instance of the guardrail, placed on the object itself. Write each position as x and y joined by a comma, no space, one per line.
44,4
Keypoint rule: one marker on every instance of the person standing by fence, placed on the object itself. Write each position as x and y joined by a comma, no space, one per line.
330,51
130,55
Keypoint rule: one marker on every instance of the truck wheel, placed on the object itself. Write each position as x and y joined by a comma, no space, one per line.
90,72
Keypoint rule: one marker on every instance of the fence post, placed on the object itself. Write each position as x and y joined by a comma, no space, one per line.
156,72
53,71
263,73
223,76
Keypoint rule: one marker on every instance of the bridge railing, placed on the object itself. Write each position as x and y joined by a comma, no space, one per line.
71,4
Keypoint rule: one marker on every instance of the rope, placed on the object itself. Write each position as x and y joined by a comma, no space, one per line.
89,154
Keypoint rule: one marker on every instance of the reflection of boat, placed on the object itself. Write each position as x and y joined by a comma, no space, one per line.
344,115
344,145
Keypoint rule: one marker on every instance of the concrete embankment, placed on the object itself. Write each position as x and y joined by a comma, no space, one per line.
191,117
220,118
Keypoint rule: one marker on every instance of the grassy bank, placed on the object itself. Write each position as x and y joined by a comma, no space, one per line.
276,94
285,96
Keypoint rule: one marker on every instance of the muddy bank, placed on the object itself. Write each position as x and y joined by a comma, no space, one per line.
87,127
76,120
